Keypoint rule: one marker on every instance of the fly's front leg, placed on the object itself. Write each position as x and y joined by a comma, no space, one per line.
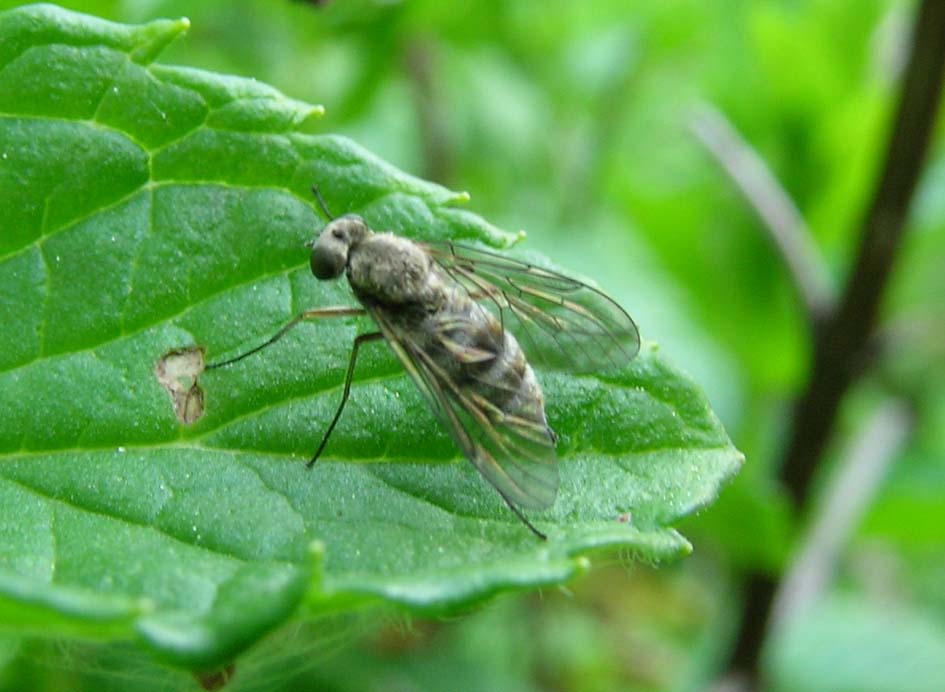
307,315
360,339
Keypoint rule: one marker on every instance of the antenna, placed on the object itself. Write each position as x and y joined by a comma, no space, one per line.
321,202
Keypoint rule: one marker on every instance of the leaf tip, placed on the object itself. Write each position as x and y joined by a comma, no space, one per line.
519,236
306,113
155,36
316,549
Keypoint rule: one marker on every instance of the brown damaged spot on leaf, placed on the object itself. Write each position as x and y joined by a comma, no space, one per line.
216,679
177,371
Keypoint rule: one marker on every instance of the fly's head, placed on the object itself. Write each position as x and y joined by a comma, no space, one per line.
331,249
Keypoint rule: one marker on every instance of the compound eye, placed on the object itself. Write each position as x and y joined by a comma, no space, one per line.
327,262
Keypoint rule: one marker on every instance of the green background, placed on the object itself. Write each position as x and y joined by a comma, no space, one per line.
572,121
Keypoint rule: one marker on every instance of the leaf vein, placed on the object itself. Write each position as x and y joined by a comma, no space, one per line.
39,492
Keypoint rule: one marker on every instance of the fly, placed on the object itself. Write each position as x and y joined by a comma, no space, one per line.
448,311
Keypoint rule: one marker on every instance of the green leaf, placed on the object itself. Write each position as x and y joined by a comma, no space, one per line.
849,645
149,208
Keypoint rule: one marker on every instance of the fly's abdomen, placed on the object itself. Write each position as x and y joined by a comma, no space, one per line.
488,366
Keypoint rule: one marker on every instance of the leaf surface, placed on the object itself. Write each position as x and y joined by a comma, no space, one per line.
149,208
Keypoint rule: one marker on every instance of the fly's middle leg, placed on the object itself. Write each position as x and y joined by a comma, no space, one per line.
307,315
360,339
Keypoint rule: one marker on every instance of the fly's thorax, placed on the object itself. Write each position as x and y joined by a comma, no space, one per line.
387,269
333,247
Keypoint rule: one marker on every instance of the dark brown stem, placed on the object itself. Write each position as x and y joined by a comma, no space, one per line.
840,507
841,345
841,348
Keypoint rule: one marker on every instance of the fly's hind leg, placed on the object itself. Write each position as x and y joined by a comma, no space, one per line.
360,339
521,516
307,315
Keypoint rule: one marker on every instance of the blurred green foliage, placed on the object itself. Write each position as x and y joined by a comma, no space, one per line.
571,120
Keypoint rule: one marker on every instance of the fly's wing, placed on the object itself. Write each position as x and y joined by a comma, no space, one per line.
561,322
515,455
